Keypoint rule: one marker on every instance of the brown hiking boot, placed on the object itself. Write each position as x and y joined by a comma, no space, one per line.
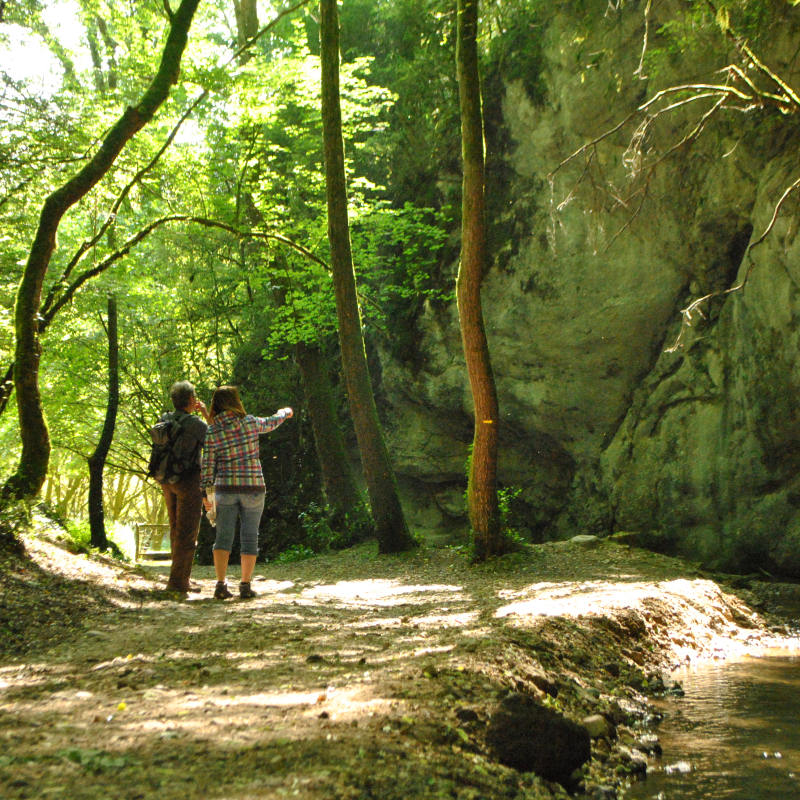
221,592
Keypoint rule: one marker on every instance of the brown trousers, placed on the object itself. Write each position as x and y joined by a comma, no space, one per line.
184,506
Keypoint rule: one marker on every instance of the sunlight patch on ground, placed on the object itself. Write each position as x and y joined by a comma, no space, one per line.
694,619
269,699
591,597
265,587
71,694
446,620
358,699
381,592
425,651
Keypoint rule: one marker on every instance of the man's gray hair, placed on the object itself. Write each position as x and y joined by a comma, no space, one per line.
181,394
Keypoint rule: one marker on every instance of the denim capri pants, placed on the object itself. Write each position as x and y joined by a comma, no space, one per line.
248,507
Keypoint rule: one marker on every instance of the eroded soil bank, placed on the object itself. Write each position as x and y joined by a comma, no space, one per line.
350,675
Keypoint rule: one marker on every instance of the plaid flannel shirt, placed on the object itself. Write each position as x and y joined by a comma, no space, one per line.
230,456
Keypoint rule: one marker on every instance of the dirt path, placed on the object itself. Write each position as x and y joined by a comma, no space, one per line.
350,676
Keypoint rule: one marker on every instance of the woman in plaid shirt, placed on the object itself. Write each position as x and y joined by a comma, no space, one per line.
232,467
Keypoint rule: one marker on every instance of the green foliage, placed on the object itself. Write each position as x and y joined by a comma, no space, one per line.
400,250
413,44
551,702
350,529
355,527
316,526
513,50
297,552
80,534
14,519
80,537
506,500
702,29
94,761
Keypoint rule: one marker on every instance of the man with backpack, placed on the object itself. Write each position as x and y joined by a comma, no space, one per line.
175,462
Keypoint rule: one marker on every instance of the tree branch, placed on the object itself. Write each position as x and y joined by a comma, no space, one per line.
112,214
46,317
640,69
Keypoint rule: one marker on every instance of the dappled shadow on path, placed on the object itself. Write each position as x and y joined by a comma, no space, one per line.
345,677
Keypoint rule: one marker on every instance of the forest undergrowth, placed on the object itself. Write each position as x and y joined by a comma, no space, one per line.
350,675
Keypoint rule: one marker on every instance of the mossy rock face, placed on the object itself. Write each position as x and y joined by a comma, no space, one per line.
698,450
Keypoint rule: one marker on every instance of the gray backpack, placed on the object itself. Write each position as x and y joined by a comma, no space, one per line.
165,465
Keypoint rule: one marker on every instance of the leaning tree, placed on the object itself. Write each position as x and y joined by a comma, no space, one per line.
387,513
32,470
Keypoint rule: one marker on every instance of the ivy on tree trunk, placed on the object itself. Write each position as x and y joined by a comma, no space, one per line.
482,498
30,475
97,461
387,513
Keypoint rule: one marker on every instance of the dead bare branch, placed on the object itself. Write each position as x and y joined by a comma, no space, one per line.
644,190
640,69
695,306
701,90
566,201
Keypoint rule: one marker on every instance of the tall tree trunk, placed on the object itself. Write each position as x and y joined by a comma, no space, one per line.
337,474
390,524
97,460
246,12
29,477
482,490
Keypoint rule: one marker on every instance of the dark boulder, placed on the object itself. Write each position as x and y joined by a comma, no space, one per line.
530,737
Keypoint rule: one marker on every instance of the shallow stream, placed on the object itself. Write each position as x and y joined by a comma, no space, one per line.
736,733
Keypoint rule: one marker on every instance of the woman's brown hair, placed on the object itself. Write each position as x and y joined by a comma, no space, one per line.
226,398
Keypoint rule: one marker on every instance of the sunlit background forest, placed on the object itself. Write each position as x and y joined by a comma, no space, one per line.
196,302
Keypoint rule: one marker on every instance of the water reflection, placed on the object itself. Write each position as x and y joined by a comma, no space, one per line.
736,734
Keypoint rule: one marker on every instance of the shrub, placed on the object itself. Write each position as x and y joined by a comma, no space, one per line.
297,552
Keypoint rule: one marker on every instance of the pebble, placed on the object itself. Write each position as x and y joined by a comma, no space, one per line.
605,793
596,725
586,540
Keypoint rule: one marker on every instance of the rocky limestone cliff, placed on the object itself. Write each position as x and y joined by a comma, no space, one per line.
603,430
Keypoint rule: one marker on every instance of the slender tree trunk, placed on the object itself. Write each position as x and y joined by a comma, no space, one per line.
97,460
97,62
29,477
482,491
246,12
390,524
337,475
